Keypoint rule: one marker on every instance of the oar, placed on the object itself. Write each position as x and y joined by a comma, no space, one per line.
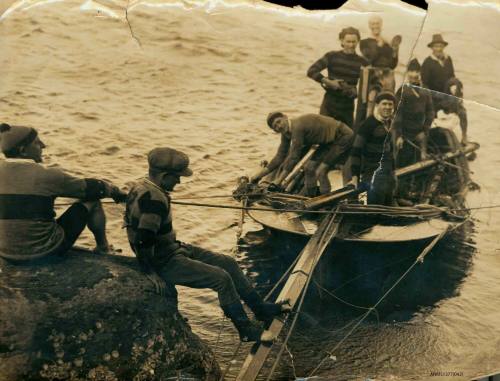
298,167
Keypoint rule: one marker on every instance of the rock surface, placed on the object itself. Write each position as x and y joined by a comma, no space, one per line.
89,317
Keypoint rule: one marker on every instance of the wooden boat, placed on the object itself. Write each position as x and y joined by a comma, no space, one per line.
440,183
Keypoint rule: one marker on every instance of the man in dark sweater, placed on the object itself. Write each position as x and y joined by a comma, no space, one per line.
333,137
438,74
374,144
413,118
343,74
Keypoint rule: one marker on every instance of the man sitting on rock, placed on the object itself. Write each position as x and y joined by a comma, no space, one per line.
28,189
299,134
148,219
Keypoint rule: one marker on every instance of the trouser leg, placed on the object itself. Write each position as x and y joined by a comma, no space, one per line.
184,271
97,223
324,182
310,179
225,262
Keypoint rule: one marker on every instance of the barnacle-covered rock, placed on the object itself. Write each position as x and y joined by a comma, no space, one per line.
88,317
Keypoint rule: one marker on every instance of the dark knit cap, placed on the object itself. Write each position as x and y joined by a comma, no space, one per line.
14,137
169,160
349,30
413,65
273,116
385,95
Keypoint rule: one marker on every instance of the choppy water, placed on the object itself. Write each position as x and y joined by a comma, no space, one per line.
203,83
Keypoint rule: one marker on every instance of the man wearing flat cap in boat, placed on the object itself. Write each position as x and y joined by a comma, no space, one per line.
297,136
374,144
150,230
28,228
438,75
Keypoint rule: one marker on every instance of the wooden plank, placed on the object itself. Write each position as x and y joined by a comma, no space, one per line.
291,292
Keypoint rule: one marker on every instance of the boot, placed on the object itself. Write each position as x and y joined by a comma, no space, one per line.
264,311
248,330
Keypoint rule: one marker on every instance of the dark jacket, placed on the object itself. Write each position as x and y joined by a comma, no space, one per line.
415,111
435,74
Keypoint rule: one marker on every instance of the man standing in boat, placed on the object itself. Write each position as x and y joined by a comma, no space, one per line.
28,229
413,118
299,134
373,148
343,74
438,75
148,219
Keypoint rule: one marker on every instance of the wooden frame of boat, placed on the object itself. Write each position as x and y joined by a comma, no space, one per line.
306,224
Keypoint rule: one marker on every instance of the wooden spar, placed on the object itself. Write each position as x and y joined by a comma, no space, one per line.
293,288
349,191
296,170
470,147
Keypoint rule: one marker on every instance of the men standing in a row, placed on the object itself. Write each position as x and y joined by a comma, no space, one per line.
343,74
413,118
438,74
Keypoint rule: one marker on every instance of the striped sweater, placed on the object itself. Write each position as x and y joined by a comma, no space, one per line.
341,66
148,214
28,229
369,144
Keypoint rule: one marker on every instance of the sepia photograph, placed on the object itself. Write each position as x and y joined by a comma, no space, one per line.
239,190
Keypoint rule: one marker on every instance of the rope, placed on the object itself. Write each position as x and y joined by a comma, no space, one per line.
424,252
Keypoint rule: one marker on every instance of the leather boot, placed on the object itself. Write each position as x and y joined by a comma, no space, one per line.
263,311
248,330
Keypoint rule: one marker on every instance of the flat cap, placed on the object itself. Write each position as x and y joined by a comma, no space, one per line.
169,160
385,95
273,116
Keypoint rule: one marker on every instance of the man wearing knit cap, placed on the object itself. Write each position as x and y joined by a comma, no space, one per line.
373,145
28,228
151,234
413,118
297,136
343,74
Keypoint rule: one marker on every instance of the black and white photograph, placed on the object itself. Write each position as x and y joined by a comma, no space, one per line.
241,190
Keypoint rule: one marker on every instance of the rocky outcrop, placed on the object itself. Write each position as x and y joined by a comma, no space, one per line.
89,317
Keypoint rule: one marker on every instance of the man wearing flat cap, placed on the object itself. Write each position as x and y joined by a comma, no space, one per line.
375,139
297,136
343,68
28,189
165,260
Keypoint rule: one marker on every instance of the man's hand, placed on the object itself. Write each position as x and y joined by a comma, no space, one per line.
354,181
332,84
158,282
399,142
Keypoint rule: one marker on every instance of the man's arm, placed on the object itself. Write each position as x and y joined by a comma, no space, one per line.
62,184
295,152
314,72
451,66
144,250
276,161
425,73
429,112
356,152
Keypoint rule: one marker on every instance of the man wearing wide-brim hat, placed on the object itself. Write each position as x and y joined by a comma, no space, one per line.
437,74
437,69
166,261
